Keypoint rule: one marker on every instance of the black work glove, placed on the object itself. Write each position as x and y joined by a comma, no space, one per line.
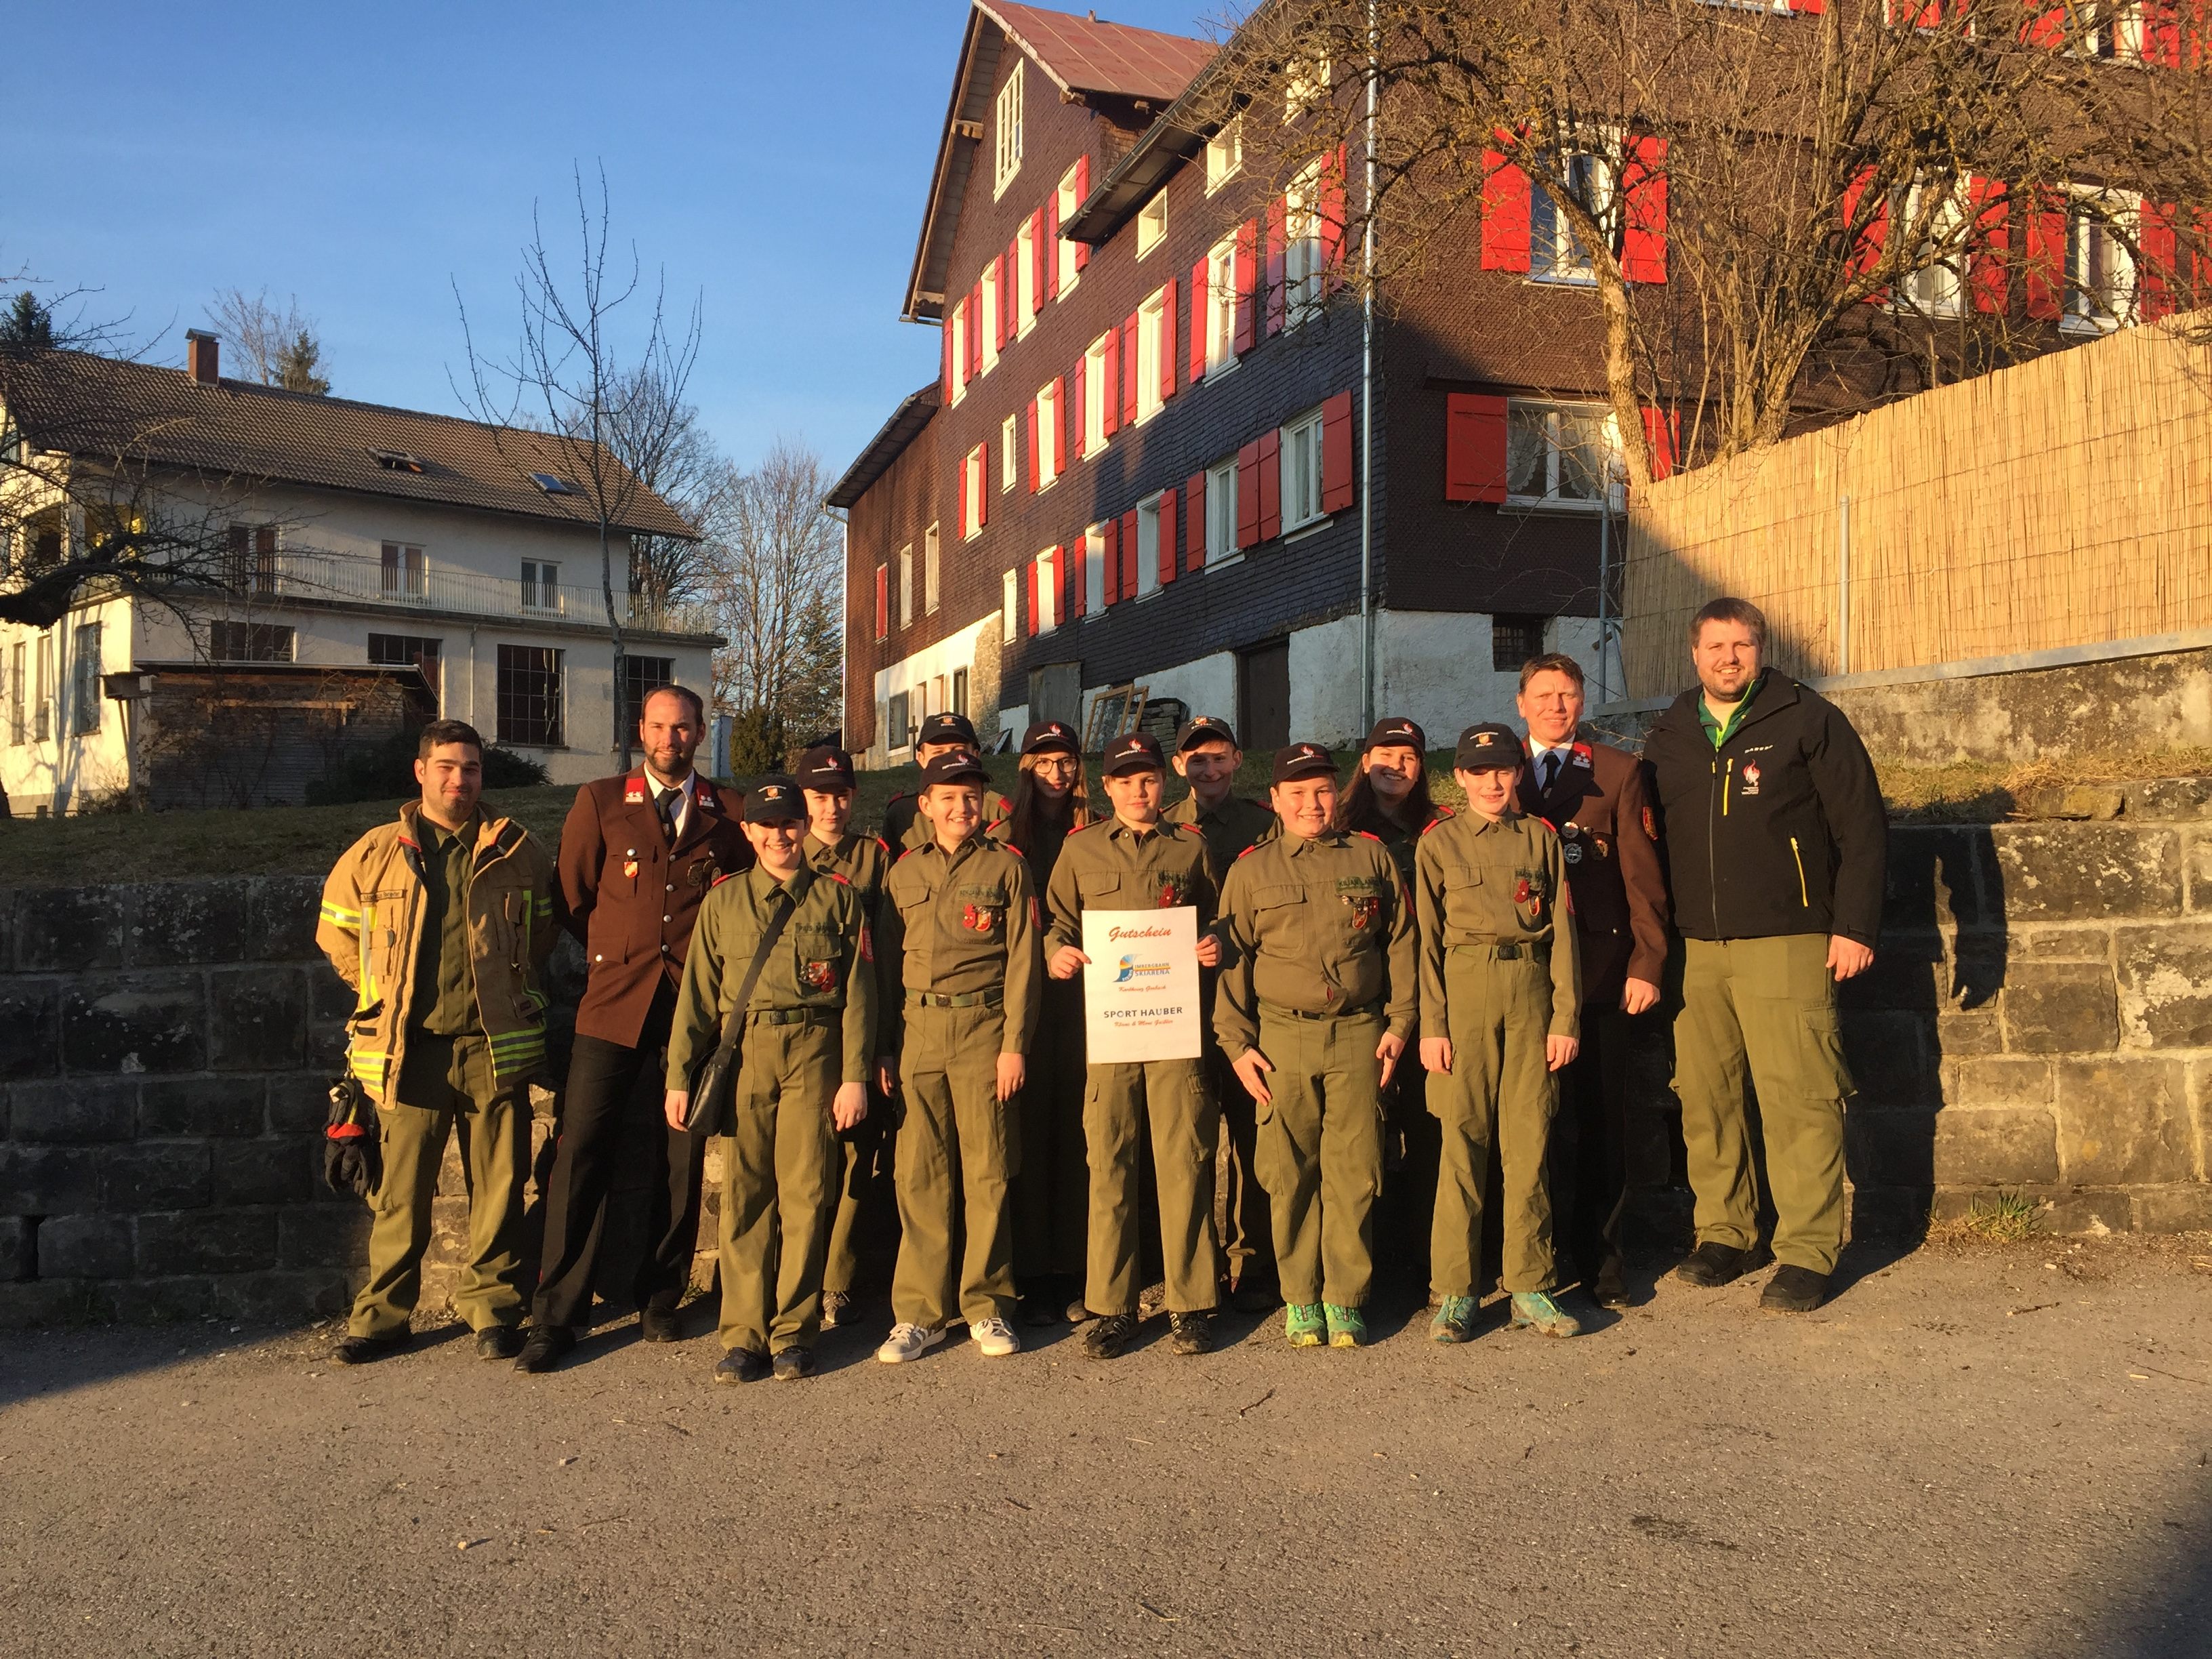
352,1162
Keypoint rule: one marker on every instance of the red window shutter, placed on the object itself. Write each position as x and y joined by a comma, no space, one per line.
1029,425
1194,534
975,329
1074,424
1278,294
883,601
1505,214
2155,284
1033,598
1247,495
2161,28
1055,440
1048,246
1110,384
960,516
2047,28
1039,247
1168,524
981,463
1082,195
999,307
1332,213
1336,453
945,324
1048,585
1271,484
1198,289
1643,231
1131,357
2046,257
1474,447
2200,260
1988,243
1167,340
1129,579
1248,277
1810,8
1663,430
1110,557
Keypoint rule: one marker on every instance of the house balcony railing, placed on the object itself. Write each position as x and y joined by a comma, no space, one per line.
289,575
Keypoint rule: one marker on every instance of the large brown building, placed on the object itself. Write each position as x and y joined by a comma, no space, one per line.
1165,451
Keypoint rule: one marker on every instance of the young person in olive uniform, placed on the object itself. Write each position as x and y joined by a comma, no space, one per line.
1777,841
864,1201
442,923
637,855
809,1042
1207,757
961,969
1134,860
1317,998
1500,999
945,733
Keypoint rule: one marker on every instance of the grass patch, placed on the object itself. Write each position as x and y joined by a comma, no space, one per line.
2000,1218
1989,791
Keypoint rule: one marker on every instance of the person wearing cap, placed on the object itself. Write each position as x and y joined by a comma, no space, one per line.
809,1035
864,1204
1316,1002
1207,757
1052,1186
1135,860
1389,795
942,733
1501,1003
636,858
1597,798
961,967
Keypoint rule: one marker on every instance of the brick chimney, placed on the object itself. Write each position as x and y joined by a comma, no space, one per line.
203,352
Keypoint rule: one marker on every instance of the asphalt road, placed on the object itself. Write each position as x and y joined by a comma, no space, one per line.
1971,1452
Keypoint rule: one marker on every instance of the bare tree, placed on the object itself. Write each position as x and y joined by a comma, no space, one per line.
567,380
278,344
657,436
776,571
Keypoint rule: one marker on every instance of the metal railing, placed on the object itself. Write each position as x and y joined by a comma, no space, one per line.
309,577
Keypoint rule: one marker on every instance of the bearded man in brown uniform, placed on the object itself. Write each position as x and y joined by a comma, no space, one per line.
1596,797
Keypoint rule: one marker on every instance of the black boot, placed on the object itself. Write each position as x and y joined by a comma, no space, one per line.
1712,1265
367,1349
542,1348
1794,1290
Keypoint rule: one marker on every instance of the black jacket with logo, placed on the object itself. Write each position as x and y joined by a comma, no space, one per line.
1780,830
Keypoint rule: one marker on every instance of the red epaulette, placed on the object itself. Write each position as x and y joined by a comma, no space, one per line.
1192,827
1010,847
1443,813
1546,822
897,795
1093,824
881,842
1369,834
726,875
835,876
1248,852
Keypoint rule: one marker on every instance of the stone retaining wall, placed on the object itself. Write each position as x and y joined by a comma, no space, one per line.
2039,1019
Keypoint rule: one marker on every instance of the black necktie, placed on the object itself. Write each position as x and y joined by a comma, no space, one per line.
1551,769
666,805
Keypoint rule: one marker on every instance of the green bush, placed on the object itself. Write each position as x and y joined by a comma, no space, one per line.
385,771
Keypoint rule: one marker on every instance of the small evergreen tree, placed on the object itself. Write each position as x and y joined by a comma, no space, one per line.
296,365
25,326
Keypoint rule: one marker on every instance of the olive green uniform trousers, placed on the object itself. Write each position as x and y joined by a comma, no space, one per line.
1499,1094
863,1202
1185,1124
446,1083
958,1147
780,1172
1052,1186
1320,1152
1763,1010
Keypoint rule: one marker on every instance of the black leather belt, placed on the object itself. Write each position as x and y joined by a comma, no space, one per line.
792,1015
955,999
1360,1012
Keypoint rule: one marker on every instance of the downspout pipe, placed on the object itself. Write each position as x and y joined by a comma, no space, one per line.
1367,398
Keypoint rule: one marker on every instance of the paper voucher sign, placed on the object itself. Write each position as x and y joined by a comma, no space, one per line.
1141,991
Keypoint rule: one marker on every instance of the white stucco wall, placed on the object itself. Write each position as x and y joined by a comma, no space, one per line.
70,767
919,674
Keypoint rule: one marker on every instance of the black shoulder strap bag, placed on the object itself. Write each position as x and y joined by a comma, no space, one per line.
714,1084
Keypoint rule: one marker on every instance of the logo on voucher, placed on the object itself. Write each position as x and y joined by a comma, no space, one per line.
1135,973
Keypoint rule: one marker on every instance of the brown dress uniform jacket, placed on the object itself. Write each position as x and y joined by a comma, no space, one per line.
1319,926
632,899
1608,838
964,923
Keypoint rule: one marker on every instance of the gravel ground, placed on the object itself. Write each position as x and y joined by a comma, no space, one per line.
1972,1451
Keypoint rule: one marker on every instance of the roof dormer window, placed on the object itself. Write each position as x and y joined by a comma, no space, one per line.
397,461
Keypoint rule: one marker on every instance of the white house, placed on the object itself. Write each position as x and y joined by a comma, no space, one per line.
343,534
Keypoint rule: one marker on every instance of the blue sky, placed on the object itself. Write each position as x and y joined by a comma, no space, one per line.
771,157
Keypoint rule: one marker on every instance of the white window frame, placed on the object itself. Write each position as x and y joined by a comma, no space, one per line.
1151,337
1152,222
1148,546
1007,133
1938,289
932,566
1064,250
1050,462
1094,570
1221,513
1225,154
1010,466
906,585
971,524
1095,392
2116,35
541,587
2079,311
1303,259
955,318
1010,606
1221,307
1304,85
1025,293
988,310
1552,501
1048,594
1300,459
1542,266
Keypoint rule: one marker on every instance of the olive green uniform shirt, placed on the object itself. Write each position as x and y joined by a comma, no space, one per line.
864,860
445,982
961,923
1229,829
1319,927
1480,883
1108,865
824,960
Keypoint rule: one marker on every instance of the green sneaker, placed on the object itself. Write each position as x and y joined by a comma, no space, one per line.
1540,1313
1304,1324
1347,1329
1455,1321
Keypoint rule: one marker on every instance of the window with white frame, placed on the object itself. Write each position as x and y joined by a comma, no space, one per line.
1555,254
1094,570
1221,511
1938,288
971,496
1305,84
1225,154
541,586
1065,251
1010,599
1095,392
2112,30
955,318
2101,273
1302,250
1051,460
86,697
1006,155
1221,305
986,310
930,562
1025,278
1301,460
1558,454
906,585
1151,341
1047,592
1152,222
1149,527
1008,453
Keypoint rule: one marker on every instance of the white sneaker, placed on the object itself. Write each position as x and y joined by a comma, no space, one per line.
993,1338
908,1342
